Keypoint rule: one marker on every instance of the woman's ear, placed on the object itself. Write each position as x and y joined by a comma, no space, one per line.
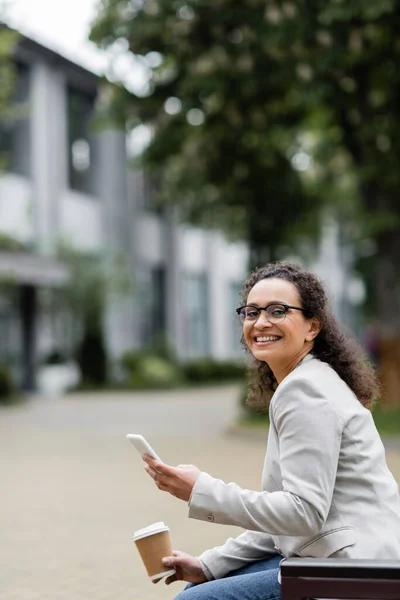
314,329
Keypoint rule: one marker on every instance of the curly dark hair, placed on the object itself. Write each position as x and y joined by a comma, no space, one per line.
331,345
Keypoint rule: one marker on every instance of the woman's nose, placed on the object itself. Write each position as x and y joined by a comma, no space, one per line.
262,320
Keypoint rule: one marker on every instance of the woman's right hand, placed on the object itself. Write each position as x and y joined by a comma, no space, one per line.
187,567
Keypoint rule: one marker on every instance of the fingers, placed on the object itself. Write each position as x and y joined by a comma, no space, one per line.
151,472
163,487
177,560
177,482
151,461
157,471
168,561
159,479
158,466
155,474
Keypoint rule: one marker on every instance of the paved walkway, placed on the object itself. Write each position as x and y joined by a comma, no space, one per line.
73,490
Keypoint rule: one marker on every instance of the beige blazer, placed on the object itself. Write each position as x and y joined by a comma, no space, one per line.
326,488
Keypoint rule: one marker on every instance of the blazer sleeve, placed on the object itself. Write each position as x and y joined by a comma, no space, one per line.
309,433
237,552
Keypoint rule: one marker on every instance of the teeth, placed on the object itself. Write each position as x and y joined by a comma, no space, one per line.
268,338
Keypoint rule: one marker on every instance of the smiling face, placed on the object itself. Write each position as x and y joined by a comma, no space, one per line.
284,344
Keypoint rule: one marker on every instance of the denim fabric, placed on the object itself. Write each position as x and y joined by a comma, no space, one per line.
257,581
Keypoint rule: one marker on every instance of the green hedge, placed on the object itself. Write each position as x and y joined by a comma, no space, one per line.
211,371
387,419
146,370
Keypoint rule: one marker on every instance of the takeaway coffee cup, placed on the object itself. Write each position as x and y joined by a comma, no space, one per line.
154,544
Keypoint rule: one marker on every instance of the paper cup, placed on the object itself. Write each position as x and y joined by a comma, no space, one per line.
154,544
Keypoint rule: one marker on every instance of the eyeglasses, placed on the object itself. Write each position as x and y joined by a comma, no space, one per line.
275,313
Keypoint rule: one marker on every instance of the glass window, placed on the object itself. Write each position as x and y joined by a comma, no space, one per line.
82,146
146,191
15,139
196,315
153,316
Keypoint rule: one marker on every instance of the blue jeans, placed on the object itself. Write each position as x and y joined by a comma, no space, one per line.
257,581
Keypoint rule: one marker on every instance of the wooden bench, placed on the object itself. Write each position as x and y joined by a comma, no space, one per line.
307,578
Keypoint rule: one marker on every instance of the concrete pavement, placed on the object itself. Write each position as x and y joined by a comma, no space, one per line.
74,490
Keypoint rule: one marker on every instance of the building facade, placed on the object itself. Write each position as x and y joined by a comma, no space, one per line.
67,183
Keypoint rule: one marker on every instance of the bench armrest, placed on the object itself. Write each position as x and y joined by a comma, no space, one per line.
338,567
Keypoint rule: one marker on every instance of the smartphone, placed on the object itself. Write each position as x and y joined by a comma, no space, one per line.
142,445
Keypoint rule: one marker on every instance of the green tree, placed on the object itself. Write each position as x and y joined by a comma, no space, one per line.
223,135
236,88
352,52
78,308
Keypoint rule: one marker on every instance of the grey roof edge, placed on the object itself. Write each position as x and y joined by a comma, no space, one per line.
30,50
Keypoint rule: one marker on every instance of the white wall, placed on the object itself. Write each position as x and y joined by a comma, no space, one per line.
16,210
234,261
193,246
227,264
204,249
81,221
149,238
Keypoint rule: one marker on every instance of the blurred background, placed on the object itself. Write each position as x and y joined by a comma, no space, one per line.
152,152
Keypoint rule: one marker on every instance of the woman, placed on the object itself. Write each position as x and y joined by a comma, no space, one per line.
327,491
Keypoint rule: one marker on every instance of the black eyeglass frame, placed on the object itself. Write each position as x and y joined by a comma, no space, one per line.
287,307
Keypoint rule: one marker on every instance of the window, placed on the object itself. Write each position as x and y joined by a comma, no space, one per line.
196,316
82,145
147,195
152,301
15,139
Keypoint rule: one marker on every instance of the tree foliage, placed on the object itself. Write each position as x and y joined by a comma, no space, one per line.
236,89
224,116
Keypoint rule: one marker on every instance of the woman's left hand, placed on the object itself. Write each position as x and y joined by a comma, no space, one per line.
178,481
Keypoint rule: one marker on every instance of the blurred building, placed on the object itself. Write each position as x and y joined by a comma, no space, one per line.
65,183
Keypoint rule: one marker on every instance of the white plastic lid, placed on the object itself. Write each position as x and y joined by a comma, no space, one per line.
150,530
